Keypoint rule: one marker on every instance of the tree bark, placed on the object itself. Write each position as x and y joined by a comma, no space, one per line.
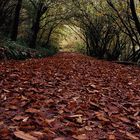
14,32
36,25
134,15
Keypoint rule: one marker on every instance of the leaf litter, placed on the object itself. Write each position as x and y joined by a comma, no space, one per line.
69,97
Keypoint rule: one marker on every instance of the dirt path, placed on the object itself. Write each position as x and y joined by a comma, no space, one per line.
69,96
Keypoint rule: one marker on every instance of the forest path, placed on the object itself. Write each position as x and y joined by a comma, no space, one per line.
69,96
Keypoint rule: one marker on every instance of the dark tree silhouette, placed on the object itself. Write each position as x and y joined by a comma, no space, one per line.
14,32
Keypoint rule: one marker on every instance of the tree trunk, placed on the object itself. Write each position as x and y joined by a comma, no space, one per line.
49,36
14,32
34,33
35,27
134,14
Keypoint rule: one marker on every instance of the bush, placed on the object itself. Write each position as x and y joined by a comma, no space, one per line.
17,50
79,47
52,48
48,50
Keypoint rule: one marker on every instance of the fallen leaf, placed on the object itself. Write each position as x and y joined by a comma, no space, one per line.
49,121
7,91
59,138
3,97
19,118
137,113
138,124
13,107
94,106
111,137
32,110
76,116
81,137
131,136
13,127
72,104
1,123
93,86
101,116
88,128
24,98
24,136
75,98
37,134
124,119
25,119
61,111
59,90
79,120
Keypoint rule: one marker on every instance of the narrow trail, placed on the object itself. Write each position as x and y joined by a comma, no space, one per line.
69,96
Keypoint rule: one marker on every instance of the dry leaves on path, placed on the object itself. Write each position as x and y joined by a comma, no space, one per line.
69,96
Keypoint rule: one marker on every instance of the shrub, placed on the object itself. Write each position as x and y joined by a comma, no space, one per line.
80,47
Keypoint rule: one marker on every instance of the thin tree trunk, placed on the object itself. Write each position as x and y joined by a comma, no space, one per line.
35,27
134,14
14,32
49,36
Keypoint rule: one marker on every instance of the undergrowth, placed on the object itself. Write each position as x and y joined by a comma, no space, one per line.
19,50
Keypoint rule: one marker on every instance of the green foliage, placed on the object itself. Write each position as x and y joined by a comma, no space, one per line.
16,50
109,29
52,49
13,50
48,50
79,47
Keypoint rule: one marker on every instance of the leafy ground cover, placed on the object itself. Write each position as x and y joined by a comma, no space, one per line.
69,96
19,50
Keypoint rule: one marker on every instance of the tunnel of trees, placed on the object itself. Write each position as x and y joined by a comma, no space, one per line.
107,29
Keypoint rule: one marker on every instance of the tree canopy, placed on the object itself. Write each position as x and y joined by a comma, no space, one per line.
110,29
